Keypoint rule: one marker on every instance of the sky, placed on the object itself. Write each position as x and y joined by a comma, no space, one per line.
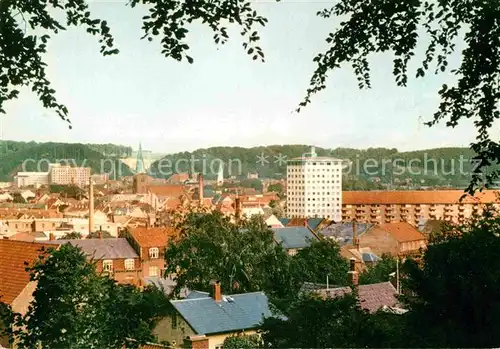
225,98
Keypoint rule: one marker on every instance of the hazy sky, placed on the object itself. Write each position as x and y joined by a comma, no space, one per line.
224,98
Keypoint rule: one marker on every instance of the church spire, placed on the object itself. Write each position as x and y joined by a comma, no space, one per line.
139,164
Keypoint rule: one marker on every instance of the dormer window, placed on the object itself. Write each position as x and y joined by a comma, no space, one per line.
154,252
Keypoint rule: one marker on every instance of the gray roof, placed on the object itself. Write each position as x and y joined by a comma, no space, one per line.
343,232
294,237
103,248
166,285
235,312
372,297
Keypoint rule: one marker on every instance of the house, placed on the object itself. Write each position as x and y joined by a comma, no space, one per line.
372,297
271,221
16,289
398,238
343,232
364,256
213,317
294,238
150,244
113,256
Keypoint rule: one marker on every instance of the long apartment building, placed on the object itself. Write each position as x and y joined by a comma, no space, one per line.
314,187
69,175
412,206
57,174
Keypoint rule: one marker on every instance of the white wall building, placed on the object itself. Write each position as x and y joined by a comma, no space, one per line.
24,179
314,187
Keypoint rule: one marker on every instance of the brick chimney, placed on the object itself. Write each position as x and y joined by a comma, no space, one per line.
353,276
355,239
216,293
200,188
237,208
51,237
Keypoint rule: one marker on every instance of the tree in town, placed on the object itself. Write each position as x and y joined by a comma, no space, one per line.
74,235
398,28
313,322
103,234
243,257
242,342
321,259
277,209
76,307
276,187
380,271
453,293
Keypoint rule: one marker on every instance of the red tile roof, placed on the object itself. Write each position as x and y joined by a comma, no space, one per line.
153,237
402,231
372,297
173,190
13,276
414,197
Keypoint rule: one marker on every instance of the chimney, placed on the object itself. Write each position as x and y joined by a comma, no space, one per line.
51,237
353,274
216,294
91,205
200,188
237,208
355,239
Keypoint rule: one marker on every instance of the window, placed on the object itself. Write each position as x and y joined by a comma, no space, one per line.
153,271
107,265
129,264
153,252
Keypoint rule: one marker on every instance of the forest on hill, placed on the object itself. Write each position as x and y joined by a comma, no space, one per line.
365,168
33,156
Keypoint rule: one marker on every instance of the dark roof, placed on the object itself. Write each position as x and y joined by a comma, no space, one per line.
314,222
343,232
312,287
235,312
197,294
165,284
369,257
372,297
284,221
103,248
294,237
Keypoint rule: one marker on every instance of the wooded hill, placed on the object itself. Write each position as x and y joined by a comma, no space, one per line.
368,169
37,156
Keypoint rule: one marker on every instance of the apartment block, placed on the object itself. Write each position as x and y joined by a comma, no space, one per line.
412,206
24,179
314,187
69,175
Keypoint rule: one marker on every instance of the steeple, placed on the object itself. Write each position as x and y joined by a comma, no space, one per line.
139,164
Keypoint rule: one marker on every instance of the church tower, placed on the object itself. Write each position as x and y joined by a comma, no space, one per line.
139,164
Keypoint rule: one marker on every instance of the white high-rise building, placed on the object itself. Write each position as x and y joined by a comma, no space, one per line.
314,187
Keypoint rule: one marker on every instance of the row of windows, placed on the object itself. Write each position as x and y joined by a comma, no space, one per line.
314,210
319,163
302,198
322,193
314,182
107,265
312,205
